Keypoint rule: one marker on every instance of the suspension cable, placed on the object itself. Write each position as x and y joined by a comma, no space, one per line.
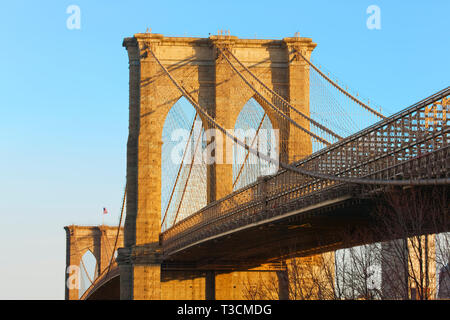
288,166
118,229
334,84
187,180
246,156
313,122
275,108
87,273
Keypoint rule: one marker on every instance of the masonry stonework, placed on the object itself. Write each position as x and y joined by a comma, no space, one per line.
99,240
196,64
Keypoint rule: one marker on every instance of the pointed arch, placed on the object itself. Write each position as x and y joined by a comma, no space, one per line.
182,131
88,271
253,125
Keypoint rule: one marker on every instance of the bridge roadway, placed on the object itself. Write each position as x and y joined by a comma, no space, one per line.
289,212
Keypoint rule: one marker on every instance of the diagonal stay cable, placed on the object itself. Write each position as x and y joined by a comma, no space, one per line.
246,156
298,170
313,122
275,108
85,270
106,270
118,229
179,170
334,84
187,180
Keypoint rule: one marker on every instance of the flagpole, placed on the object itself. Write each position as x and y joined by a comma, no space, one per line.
105,211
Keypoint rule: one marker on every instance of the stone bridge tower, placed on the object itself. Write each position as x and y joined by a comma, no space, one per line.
196,64
97,239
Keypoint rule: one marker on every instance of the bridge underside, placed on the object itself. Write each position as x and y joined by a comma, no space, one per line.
314,230
107,291
331,225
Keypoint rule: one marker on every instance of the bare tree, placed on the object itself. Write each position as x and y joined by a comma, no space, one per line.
311,277
443,264
394,257
358,272
264,288
410,218
306,278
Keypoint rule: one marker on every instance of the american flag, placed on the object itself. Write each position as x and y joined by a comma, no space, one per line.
105,211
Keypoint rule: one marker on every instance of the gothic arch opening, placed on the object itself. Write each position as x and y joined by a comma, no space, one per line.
88,271
253,127
183,172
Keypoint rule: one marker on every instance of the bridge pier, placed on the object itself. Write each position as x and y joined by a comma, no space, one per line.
212,83
283,285
144,278
140,272
151,282
210,285
126,281
149,285
298,144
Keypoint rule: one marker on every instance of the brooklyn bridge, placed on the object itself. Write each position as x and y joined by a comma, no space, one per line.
277,161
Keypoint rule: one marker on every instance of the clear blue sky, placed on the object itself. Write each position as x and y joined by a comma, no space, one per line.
64,99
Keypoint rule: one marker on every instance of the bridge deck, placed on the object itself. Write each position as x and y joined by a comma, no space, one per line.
405,146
